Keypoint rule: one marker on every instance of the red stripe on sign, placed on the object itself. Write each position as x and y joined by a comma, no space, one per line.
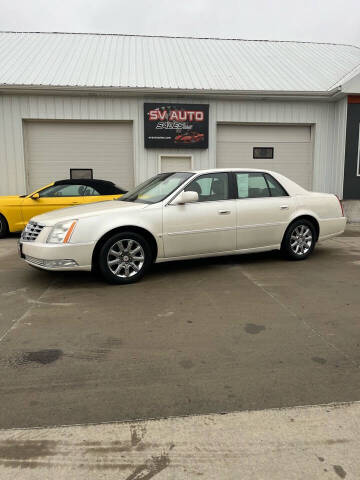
353,99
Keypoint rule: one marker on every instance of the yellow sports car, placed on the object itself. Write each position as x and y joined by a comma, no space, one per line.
16,211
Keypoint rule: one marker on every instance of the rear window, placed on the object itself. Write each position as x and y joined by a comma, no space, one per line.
258,185
276,190
251,185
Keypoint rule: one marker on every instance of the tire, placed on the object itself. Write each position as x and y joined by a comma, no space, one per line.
124,258
299,240
4,228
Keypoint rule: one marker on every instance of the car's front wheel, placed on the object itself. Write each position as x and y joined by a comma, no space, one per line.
299,240
4,229
124,258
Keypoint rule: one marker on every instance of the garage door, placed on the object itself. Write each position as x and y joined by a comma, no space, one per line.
52,148
292,149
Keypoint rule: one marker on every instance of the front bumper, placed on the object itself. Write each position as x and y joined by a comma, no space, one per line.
57,257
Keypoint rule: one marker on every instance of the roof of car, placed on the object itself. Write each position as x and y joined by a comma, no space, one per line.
82,181
214,170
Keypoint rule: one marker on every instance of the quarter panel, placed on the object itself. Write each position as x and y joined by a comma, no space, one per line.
325,208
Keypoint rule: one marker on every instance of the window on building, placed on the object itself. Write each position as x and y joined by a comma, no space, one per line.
81,173
263,152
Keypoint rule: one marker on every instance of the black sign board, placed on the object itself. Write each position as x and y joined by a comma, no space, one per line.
177,125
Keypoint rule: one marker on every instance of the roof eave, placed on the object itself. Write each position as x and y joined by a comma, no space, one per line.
146,91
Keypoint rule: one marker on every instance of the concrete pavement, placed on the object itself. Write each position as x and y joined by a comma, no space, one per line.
217,335
319,442
193,339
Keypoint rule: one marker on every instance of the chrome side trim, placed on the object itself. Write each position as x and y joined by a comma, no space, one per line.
208,230
205,230
258,225
330,219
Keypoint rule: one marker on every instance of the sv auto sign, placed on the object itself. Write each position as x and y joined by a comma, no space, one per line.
176,125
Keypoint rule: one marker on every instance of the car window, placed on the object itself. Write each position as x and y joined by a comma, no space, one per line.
210,187
251,185
68,191
276,190
156,188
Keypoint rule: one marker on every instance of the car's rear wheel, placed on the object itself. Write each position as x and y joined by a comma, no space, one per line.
124,258
4,228
299,240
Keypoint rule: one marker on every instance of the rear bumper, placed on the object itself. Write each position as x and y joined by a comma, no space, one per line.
50,256
332,227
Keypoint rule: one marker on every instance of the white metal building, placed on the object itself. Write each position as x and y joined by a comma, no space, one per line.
77,101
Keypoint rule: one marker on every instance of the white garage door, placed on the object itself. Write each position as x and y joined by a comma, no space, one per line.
52,148
292,149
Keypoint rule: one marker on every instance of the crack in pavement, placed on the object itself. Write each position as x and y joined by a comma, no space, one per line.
17,322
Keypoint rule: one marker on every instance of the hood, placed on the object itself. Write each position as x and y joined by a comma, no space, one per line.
88,210
11,200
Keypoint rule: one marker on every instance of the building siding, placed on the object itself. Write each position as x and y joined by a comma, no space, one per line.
328,121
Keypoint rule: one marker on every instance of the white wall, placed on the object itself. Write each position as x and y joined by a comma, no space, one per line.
328,118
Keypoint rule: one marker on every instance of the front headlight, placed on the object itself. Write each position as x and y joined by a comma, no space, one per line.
61,232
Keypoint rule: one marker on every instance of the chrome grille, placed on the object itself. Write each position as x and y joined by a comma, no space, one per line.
31,231
35,261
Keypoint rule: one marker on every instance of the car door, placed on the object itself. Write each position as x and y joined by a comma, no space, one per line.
53,198
203,227
263,210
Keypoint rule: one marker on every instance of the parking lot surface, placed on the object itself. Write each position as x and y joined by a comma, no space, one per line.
194,337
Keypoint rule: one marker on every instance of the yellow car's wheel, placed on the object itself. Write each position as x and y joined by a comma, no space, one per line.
4,228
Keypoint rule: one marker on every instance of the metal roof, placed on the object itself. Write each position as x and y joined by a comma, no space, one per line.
172,63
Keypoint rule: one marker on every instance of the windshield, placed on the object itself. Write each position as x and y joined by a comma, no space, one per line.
156,188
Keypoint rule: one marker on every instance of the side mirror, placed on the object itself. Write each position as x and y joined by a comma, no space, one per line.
186,197
36,196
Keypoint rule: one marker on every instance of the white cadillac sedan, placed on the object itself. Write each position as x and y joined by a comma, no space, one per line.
182,215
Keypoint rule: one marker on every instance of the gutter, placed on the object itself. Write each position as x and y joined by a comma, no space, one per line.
136,91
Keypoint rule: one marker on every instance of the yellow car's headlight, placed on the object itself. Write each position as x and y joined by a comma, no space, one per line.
61,232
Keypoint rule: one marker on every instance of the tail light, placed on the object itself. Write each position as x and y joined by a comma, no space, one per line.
341,206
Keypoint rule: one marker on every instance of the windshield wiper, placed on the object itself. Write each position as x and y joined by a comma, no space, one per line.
133,198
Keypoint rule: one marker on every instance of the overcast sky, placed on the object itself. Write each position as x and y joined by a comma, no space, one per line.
304,20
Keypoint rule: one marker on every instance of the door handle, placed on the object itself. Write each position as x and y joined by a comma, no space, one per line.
284,207
224,212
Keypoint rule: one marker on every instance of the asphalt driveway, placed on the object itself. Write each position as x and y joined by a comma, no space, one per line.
213,335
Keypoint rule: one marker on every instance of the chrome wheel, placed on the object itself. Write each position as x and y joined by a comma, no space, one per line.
125,258
301,240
